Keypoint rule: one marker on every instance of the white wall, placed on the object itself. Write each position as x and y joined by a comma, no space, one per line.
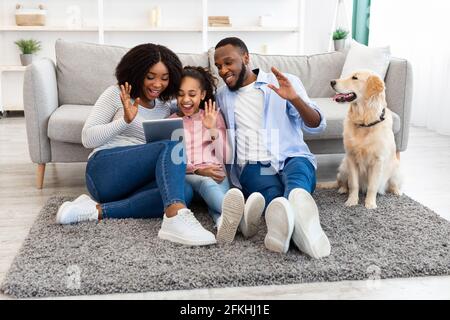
421,38
319,19
319,15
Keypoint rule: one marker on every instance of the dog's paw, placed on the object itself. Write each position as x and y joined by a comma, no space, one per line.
371,205
396,191
351,202
343,190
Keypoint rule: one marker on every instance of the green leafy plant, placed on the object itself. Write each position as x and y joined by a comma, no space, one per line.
29,46
340,34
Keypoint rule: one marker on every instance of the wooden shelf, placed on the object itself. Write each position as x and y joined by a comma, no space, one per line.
153,29
150,29
12,68
253,29
47,28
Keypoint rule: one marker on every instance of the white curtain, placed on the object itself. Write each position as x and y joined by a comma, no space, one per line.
419,31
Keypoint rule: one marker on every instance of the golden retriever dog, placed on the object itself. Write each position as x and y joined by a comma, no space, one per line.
371,163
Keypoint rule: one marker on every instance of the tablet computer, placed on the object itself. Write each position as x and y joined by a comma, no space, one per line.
163,129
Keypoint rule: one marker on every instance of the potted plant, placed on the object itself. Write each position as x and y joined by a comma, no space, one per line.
28,48
339,37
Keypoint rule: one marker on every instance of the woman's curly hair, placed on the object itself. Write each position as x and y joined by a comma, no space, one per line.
134,66
207,81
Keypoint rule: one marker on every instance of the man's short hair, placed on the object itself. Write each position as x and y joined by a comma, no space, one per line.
235,42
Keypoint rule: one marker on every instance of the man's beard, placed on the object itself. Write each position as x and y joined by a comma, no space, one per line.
240,80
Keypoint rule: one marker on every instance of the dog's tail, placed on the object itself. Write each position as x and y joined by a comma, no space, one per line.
327,185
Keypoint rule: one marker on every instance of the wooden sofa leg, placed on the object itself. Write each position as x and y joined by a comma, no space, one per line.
40,175
398,155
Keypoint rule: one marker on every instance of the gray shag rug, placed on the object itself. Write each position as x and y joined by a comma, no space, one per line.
401,238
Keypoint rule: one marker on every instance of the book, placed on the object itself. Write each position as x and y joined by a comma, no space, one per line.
219,21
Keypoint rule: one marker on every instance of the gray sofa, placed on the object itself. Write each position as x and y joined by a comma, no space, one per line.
58,99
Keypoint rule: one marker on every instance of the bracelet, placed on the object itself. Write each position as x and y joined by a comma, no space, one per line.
213,137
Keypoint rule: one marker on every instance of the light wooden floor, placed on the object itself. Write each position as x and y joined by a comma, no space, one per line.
427,170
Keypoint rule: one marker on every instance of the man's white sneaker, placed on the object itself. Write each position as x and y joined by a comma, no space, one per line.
280,225
79,210
308,234
232,211
185,229
253,210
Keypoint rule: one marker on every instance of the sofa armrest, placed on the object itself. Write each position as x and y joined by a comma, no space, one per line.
399,89
40,97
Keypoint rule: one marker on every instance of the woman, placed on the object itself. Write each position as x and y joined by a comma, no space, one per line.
127,177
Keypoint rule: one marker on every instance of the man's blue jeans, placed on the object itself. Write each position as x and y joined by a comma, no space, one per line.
138,181
298,172
210,191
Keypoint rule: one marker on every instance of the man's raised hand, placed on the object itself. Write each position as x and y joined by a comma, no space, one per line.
285,89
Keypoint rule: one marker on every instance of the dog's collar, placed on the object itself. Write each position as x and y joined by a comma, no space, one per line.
375,122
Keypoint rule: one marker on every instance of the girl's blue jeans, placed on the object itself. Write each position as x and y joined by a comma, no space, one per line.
210,191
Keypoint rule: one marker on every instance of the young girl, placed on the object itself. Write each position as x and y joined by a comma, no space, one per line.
206,150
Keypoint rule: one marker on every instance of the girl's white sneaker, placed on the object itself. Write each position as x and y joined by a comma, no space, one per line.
232,211
254,208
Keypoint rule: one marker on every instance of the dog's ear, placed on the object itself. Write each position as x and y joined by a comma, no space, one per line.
375,86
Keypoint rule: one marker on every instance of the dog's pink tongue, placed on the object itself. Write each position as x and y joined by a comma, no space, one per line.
339,97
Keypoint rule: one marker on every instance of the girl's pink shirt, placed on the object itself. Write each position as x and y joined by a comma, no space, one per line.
201,150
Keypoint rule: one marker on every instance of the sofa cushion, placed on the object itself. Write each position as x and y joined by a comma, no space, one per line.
66,123
361,57
194,59
335,114
315,71
85,70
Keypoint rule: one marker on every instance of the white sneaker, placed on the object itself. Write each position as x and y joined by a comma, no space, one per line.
83,198
308,234
280,225
232,211
185,229
254,208
80,199
81,209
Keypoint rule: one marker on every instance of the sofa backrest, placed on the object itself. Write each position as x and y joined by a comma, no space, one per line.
85,70
315,71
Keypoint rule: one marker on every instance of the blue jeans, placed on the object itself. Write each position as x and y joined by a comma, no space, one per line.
138,181
210,191
298,172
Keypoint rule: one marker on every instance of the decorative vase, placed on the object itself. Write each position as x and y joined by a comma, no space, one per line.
155,17
339,45
26,59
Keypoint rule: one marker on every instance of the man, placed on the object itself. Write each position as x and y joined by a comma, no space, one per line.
266,113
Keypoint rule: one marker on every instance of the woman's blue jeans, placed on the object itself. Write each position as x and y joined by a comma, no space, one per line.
138,181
